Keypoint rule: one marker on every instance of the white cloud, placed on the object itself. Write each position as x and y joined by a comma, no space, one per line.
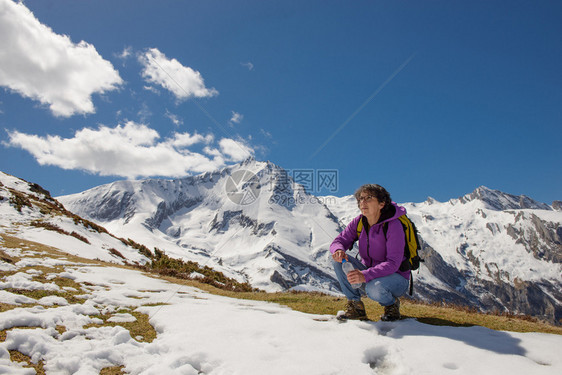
180,140
174,118
144,113
236,117
182,81
235,150
248,65
39,64
126,53
152,89
130,150
265,133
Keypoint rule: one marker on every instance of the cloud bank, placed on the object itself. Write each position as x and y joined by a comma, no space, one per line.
182,81
131,150
39,64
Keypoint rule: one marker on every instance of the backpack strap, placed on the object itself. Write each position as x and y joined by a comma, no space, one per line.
362,224
359,227
411,291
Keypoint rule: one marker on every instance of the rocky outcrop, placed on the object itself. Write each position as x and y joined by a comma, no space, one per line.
295,272
541,238
237,217
165,209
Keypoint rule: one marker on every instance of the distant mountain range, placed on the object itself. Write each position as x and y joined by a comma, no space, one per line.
488,249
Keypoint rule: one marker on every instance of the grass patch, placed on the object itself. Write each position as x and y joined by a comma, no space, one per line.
7,307
54,228
39,293
61,282
140,330
60,329
155,304
116,253
16,356
164,265
465,317
8,259
42,250
115,370
19,200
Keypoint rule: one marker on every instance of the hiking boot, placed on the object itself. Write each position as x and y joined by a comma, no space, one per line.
392,312
354,310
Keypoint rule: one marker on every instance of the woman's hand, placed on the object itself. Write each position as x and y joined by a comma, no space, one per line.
355,277
339,255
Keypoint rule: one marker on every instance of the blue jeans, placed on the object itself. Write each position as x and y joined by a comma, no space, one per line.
384,289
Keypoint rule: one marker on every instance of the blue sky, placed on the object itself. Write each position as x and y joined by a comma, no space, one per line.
427,98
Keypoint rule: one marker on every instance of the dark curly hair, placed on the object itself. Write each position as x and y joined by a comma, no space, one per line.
378,191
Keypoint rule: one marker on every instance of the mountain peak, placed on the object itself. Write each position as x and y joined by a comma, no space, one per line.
500,201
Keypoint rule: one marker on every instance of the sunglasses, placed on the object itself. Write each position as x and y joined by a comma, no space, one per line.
368,198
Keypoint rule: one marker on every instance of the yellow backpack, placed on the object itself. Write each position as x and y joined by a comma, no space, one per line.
411,248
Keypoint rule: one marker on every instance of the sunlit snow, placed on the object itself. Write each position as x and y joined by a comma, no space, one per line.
198,332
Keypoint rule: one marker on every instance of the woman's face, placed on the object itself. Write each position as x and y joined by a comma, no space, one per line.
369,205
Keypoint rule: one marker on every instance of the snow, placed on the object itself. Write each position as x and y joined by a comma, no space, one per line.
14,299
23,281
122,318
198,332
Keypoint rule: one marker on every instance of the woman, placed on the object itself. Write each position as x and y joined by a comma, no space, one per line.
381,247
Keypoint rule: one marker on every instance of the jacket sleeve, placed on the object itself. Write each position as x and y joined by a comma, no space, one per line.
395,242
345,240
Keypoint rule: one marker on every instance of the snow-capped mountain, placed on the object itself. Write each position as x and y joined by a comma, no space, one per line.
248,221
488,249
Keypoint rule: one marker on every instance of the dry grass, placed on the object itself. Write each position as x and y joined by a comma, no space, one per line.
7,306
61,282
16,356
9,241
141,329
115,370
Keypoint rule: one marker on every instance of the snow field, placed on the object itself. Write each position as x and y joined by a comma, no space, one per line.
198,332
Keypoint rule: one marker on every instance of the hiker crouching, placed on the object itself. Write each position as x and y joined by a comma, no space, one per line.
381,248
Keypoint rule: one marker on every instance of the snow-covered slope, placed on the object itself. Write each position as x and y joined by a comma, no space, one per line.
101,324
28,211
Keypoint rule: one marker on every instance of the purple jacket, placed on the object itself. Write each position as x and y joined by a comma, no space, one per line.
382,256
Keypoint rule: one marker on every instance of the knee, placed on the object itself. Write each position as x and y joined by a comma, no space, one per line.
376,291
337,268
